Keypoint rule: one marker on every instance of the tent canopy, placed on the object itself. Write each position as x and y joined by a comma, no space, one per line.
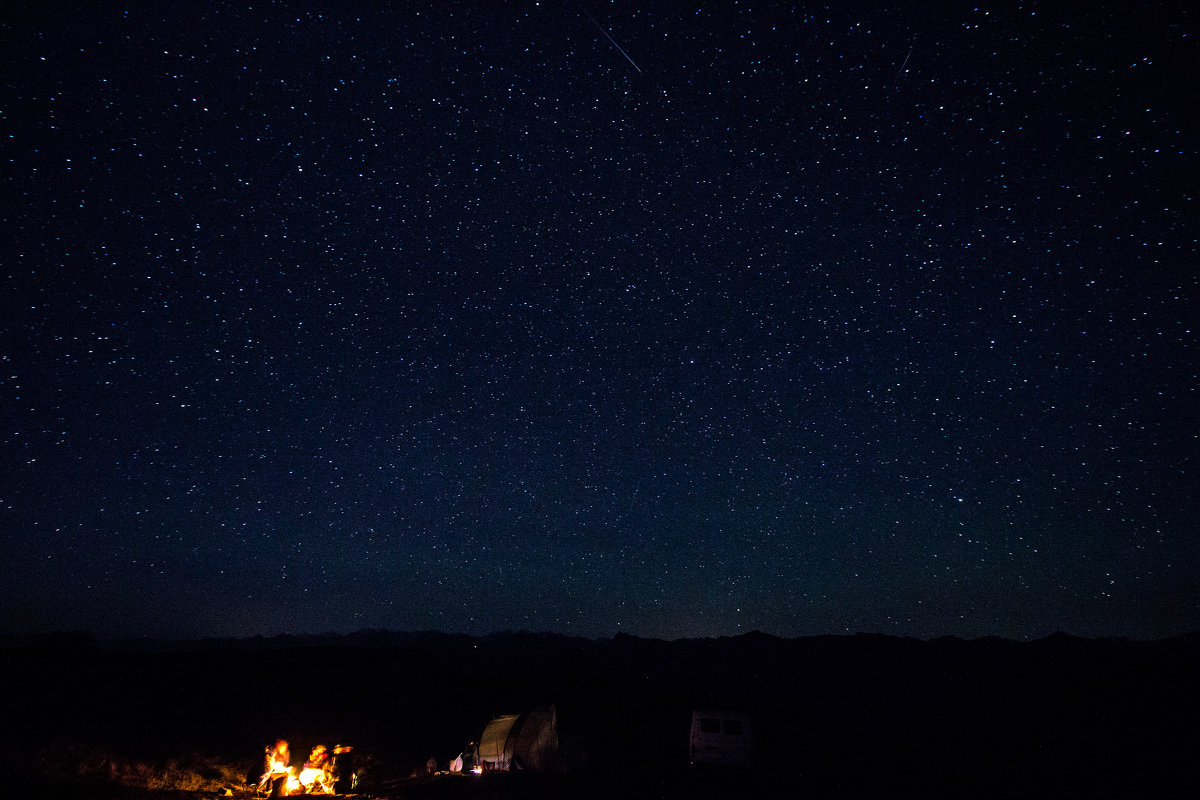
526,741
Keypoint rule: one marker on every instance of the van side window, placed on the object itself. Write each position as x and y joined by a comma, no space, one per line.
709,725
733,727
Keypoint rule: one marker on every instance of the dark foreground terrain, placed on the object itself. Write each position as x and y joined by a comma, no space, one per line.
860,716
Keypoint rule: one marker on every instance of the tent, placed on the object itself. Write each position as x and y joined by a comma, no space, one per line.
526,741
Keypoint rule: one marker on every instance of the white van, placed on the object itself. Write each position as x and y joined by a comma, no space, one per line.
721,738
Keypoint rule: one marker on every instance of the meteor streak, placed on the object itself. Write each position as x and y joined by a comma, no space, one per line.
614,42
899,72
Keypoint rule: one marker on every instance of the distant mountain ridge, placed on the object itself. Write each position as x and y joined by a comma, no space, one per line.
432,639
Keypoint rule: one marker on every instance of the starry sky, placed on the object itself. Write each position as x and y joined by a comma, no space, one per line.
671,319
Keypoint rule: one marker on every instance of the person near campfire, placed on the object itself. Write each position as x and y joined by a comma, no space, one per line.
344,779
278,773
317,775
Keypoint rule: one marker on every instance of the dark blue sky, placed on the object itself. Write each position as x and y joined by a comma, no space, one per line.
465,316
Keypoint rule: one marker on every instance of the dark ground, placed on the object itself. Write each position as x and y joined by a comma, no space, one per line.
861,716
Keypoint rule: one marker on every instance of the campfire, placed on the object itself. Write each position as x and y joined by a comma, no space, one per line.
325,772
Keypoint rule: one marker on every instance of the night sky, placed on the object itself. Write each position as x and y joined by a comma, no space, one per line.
668,319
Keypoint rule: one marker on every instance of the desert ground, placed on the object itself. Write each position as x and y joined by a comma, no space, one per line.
854,716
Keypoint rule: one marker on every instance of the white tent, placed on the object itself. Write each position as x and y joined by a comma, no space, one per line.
526,741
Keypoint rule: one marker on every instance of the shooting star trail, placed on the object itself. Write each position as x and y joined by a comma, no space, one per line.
900,71
614,42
